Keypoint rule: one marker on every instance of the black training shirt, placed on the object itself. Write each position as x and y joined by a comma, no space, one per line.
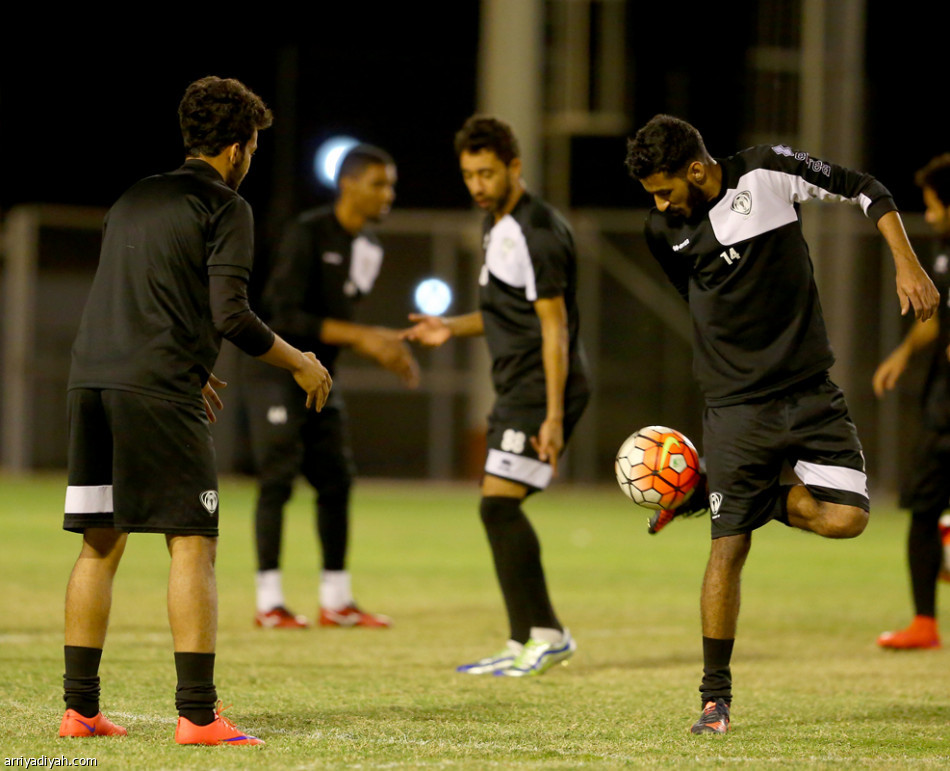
320,272
744,267
149,324
529,255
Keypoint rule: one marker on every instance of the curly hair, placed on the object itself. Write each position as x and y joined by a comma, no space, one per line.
483,132
216,113
665,145
936,176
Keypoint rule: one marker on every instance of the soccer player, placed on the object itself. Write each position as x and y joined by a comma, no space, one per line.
172,281
728,235
528,314
926,491
327,262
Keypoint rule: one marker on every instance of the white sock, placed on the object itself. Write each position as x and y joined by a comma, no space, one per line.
335,592
550,636
270,592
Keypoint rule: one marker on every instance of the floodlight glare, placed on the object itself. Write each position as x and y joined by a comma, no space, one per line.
326,163
433,296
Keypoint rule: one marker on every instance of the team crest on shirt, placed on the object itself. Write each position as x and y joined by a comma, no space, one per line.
742,203
715,501
941,263
209,499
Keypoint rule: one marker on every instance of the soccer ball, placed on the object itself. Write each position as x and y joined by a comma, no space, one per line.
657,467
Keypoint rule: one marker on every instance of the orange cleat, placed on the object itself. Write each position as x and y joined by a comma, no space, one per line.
922,633
77,726
351,615
219,731
280,618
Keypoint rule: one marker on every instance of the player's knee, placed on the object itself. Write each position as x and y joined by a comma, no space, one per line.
844,522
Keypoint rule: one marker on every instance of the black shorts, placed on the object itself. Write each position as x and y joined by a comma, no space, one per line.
510,453
927,484
287,439
747,445
139,464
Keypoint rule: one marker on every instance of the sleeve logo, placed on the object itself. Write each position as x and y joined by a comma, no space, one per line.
209,499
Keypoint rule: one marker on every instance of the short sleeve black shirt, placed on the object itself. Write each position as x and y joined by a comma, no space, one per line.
147,325
529,255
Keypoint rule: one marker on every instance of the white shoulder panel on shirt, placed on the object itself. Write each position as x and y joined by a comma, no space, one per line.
507,257
365,262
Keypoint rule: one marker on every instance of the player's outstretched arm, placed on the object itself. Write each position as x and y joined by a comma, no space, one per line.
889,371
914,287
309,373
433,331
382,345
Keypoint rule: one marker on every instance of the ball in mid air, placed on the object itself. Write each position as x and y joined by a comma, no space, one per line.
657,467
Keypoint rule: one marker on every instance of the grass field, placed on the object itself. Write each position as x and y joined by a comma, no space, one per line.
812,688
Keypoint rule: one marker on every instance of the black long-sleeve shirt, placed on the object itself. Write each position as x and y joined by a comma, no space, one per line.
152,323
744,267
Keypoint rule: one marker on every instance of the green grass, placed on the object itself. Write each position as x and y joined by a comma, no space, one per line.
812,688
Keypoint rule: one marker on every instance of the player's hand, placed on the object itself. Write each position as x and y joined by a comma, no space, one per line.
549,442
387,348
888,372
915,289
210,395
428,330
313,378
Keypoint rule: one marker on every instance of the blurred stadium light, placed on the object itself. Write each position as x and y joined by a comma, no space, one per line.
329,156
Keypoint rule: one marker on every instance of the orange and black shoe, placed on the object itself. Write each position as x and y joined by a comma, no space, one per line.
78,726
714,720
219,731
696,505
353,615
922,633
280,618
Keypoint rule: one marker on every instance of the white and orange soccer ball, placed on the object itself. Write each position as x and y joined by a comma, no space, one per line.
657,467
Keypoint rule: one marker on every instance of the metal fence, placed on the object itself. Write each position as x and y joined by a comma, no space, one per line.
635,329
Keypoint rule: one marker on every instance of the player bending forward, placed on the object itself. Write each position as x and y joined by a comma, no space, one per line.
728,235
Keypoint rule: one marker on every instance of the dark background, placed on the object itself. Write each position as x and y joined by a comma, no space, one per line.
89,107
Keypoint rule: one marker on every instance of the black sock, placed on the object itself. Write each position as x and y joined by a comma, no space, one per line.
717,676
81,680
517,555
195,696
924,557
333,526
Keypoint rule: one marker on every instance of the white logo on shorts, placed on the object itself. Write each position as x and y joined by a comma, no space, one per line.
209,499
715,501
277,415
